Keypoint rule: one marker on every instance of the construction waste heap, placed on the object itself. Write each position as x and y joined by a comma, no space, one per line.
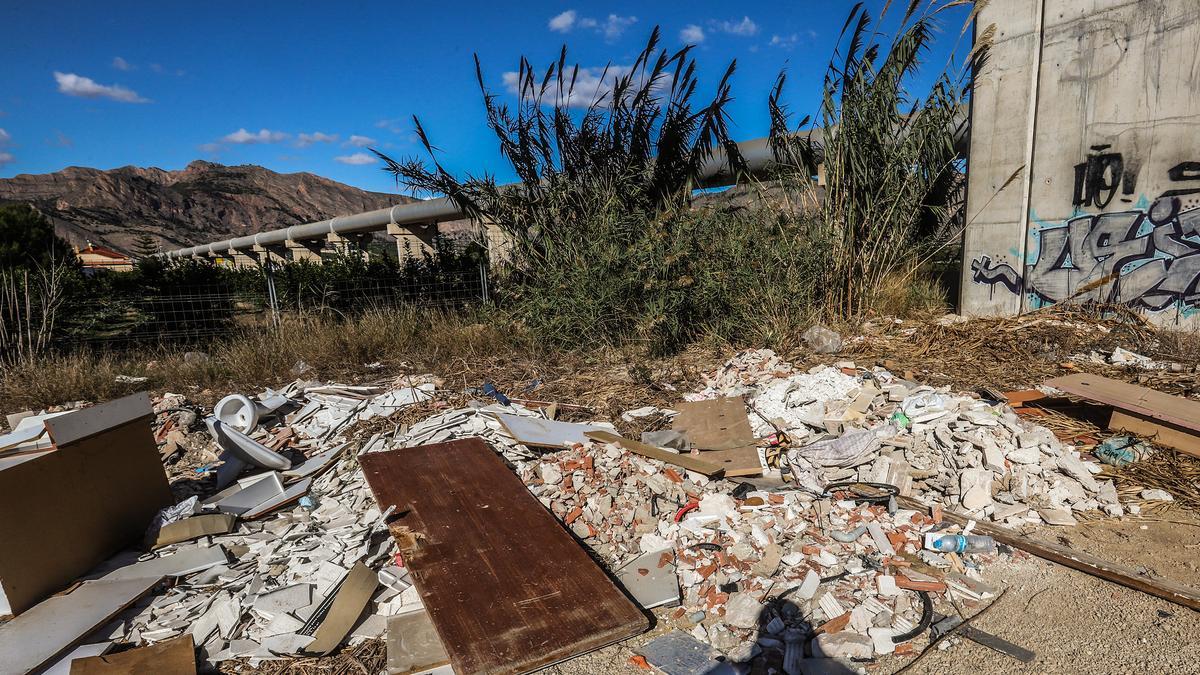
777,520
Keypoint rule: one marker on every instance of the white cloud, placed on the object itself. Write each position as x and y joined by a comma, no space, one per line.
393,125
611,27
691,34
744,28
614,25
360,141
5,157
243,137
589,84
85,87
305,140
785,41
121,64
563,23
356,159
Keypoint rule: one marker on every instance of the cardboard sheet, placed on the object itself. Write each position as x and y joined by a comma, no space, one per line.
64,511
348,605
716,424
194,528
687,461
505,584
171,657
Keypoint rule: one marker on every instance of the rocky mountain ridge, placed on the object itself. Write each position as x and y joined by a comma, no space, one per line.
201,203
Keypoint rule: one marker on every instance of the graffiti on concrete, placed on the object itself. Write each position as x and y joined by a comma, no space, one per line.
1102,174
1147,259
988,273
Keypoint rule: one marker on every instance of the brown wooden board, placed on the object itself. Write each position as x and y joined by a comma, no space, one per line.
507,587
1163,433
736,461
172,657
715,424
1175,410
701,466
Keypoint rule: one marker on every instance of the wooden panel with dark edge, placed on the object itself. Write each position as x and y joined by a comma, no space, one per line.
1150,403
507,587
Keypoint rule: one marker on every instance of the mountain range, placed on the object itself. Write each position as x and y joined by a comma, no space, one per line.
201,203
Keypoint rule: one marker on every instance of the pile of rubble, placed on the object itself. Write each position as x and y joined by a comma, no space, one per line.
796,564
954,449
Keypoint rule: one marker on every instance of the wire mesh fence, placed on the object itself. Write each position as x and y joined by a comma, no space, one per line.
198,312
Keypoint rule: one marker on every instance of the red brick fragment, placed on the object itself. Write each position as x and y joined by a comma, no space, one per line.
639,662
834,625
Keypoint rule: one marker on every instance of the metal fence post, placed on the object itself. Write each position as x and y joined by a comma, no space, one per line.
483,279
269,268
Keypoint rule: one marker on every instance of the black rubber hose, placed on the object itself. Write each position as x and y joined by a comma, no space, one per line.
926,619
888,491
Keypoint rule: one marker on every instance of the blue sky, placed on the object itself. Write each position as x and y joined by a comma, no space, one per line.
306,86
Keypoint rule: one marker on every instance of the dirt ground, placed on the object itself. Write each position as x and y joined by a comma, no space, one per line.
1075,623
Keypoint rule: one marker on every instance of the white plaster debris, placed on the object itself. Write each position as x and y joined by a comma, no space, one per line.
731,554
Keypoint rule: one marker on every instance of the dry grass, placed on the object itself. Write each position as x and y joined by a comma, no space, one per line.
462,349
1019,352
368,658
334,350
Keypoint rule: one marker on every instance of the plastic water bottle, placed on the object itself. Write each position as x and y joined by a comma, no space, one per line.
958,543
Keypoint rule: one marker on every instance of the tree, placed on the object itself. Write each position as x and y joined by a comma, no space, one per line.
27,239
144,246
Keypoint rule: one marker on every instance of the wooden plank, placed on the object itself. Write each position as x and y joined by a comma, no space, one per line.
1149,403
1179,594
736,461
55,626
1163,433
507,587
170,657
715,424
701,466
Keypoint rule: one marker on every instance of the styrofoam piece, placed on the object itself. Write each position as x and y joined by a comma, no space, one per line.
245,447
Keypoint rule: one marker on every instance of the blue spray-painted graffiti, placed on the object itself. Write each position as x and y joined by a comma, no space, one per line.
1148,259
1146,256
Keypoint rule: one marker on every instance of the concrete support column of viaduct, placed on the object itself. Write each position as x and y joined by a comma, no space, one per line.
1094,106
